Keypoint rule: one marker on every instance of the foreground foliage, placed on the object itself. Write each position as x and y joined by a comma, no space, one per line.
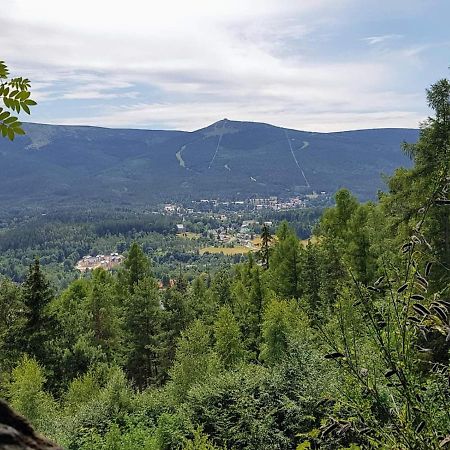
14,96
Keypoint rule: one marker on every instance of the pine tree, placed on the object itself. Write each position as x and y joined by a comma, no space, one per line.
311,280
175,319
283,231
104,314
143,316
12,323
181,284
332,273
358,252
257,306
334,221
428,180
200,302
284,273
228,337
39,325
136,267
281,320
221,288
194,362
266,239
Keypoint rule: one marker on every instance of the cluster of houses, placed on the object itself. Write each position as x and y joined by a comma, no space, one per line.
112,261
278,204
250,204
243,235
106,262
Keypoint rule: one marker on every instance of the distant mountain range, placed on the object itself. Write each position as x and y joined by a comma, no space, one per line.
72,165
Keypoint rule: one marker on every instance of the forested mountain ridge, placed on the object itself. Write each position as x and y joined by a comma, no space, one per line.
74,165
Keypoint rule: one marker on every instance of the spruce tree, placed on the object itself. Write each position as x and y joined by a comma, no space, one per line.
136,267
282,319
200,302
194,361
12,323
427,181
175,318
104,315
284,272
221,288
310,280
143,316
228,337
257,306
266,239
39,325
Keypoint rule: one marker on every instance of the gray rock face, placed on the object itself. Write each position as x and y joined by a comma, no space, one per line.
17,434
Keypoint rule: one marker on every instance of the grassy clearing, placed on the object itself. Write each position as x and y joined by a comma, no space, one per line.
257,241
313,239
230,251
240,250
188,235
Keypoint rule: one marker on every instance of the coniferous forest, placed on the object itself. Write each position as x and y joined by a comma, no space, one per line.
342,343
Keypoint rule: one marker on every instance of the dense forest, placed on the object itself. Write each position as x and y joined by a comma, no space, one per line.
63,237
343,343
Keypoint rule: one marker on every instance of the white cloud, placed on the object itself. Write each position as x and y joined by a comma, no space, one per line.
373,40
290,113
83,94
205,59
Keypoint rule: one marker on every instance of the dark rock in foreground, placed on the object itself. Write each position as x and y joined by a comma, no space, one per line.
17,434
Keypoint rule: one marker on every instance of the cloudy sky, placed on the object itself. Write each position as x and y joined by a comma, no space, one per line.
319,65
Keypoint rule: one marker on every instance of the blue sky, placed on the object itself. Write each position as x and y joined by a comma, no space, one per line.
316,65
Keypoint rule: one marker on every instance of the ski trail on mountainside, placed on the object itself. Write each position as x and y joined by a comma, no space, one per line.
295,159
217,150
179,156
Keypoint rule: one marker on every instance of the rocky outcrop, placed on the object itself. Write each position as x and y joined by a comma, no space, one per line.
17,434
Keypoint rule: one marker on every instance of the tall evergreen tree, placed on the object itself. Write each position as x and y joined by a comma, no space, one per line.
228,338
266,239
104,315
221,288
194,362
334,221
311,279
200,302
136,267
143,317
11,323
256,294
281,321
176,317
39,325
358,245
428,181
284,272
332,274
181,283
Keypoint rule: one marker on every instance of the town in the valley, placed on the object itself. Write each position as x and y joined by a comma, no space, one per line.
227,227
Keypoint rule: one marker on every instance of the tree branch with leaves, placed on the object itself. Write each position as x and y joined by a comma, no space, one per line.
14,97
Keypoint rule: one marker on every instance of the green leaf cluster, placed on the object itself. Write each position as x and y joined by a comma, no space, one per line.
15,96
